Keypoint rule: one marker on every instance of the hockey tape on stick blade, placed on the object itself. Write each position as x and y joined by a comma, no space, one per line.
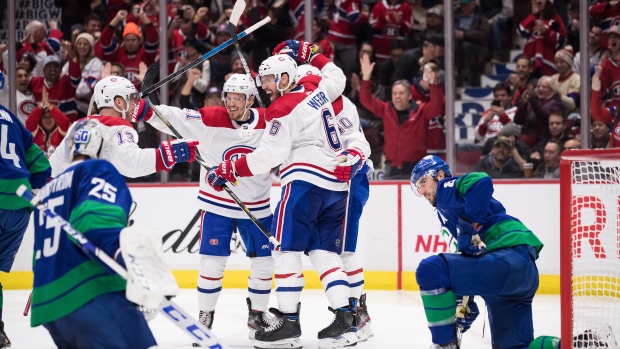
204,57
197,331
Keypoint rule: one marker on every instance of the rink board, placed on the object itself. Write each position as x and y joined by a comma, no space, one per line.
397,231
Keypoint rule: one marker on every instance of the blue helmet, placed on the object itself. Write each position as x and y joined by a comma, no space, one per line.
429,165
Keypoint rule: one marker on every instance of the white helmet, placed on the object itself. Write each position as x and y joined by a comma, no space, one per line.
109,88
277,65
85,138
306,69
240,83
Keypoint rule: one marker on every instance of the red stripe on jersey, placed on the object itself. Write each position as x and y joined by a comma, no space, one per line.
281,214
338,105
218,117
283,276
284,105
360,270
232,201
266,279
111,120
210,279
306,165
328,272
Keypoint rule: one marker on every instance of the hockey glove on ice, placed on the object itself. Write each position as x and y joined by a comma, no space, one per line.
141,111
466,314
180,150
302,51
222,174
350,162
469,240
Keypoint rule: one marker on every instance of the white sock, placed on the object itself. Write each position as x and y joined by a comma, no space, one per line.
355,273
210,274
289,280
259,282
333,278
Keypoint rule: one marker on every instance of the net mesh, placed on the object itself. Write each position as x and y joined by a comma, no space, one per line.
595,247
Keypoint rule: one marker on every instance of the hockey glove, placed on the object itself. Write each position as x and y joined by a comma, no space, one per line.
180,150
466,314
350,162
469,240
302,51
141,111
222,174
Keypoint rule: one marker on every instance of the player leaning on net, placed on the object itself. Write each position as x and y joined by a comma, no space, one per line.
302,138
116,100
497,261
228,133
80,302
348,122
21,162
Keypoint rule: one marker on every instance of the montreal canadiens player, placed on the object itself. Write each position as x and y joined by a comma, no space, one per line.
21,162
116,100
80,302
359,190
302,138
228,133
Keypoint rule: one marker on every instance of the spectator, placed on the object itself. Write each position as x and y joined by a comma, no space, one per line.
91,71
27,61
550,168
366,48
522,80
499,16
494,118
150,8
520,151
566,82
133,50
25,99
533,114
213,97
48,125
434,26
558,131
411,62
500,163
545,34
405,121
471,36
183,28
341,33
270,34
116,69
220,63
419,88
611,69
390,20
60,90
600,135
72,12
572,144
573,25
387,67
37,42
594,47
325,46
604,115
605,12
199,85
185,101
92,24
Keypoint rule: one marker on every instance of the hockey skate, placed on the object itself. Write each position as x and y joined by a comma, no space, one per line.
205,318
4,340
257,320
284,331
362,321
341,332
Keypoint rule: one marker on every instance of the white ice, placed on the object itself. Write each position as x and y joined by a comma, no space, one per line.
397,320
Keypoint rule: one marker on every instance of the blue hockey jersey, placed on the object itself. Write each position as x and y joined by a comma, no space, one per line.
21,161
93,197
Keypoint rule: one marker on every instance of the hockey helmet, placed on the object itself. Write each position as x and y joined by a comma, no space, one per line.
278,65
240,83
306,69
107,89
428,166
85,138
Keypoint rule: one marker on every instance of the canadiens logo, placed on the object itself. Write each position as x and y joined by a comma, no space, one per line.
281,58
214,242
615,90
235,153
113,79
26,107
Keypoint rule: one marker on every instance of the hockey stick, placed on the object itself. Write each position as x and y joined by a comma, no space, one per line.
174,313
150,75
28,304
232,28
203,58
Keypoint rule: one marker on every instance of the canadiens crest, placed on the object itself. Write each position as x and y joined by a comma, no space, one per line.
235,153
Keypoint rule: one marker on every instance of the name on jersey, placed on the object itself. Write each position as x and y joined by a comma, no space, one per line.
318,100
5,116
59,183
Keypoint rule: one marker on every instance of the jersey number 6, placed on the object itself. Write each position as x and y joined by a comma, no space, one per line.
331,133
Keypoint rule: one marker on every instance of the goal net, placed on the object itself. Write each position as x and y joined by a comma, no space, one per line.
590,248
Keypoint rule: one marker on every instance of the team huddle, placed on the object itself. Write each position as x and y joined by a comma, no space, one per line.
312,135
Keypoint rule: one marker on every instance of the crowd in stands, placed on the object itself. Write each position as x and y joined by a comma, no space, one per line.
392,52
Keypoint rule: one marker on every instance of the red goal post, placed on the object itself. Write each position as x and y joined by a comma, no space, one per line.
589,246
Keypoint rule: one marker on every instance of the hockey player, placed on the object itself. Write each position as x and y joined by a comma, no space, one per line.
116,100
74,295
228,133
349,121
497,261
303,140
21,162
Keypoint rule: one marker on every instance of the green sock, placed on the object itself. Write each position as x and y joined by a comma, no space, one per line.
440,309
545,342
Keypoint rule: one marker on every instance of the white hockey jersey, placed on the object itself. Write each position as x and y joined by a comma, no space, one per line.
301,134
222,139
120,147
351,133
25,102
